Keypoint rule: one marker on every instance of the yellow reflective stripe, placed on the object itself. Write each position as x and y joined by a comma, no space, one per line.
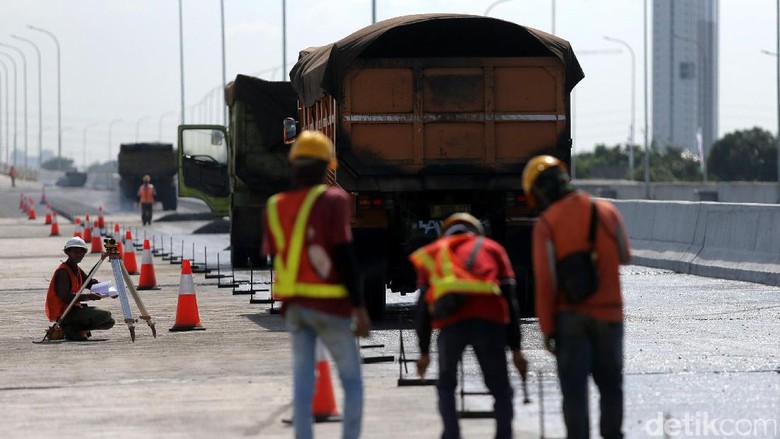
293,261
422,258
447,286
317,291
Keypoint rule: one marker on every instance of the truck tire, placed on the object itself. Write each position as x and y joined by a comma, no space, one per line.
169,199
375,293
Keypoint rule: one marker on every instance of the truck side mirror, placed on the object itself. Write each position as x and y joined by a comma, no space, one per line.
216,137
290,130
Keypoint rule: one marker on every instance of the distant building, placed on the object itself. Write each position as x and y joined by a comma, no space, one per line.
685,73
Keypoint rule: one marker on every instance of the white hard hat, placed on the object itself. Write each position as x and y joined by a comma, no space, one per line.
75,242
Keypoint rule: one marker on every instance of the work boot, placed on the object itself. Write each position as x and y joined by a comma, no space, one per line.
56,334
73,335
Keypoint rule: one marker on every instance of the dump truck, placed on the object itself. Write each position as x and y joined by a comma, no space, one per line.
430,114
158,160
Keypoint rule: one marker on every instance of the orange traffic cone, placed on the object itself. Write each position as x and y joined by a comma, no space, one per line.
87,231
43,195
101,220
48,216
55,228
323,405
97,244
79,230
187,318
129,255
31,213
117,235
147,280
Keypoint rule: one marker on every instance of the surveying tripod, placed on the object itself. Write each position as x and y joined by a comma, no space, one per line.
122,279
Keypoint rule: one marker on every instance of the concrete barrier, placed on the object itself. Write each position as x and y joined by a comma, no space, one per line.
722,240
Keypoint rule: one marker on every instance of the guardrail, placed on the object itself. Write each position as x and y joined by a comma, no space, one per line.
722,240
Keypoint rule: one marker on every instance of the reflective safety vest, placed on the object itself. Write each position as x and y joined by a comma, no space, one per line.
146,193
295,276
449,274
54,305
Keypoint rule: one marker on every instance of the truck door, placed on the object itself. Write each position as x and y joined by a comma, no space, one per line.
203,169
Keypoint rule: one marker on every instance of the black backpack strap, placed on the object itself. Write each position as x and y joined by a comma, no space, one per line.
593,222
474,252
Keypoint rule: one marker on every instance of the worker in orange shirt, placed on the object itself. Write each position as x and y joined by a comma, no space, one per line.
578,246
467,291
307,230
146,194
12,174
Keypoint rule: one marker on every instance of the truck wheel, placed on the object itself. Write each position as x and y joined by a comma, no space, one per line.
375,292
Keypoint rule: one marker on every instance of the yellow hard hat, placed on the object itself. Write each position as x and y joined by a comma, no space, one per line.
466,221
533,169
314,145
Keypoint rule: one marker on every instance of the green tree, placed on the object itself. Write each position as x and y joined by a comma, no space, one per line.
56,163
746,155
671,164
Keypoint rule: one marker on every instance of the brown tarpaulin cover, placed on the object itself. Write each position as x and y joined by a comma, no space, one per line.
320,70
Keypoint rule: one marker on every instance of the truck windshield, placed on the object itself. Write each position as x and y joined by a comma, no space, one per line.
204,144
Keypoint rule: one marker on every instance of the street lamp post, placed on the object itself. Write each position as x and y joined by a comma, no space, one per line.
138,126
160,124
633,103
647,146
84,146
284,37
16,101
40,100
110,140
7,79
24,82
181,62
59,91
498,2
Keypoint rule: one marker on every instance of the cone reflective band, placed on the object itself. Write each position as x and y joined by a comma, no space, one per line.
187,317
55,228
48,217
79,230
97,244
87,231
101,220
129,256
147,281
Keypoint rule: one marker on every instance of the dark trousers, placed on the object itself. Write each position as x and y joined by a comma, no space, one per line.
489,342
86,319
586,346
146,213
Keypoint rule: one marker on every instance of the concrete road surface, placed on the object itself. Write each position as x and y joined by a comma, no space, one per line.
696,349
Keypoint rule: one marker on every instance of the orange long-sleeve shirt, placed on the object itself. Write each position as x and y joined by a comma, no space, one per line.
563,229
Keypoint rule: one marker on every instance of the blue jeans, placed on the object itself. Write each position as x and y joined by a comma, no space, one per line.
586,346
305,326
489,342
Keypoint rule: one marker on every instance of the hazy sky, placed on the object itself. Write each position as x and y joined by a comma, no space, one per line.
120,59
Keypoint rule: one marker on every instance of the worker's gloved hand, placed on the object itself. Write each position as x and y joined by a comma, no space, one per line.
549,343
361,323
422,364
521,364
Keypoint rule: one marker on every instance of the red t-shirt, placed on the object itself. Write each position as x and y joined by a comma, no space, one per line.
329,226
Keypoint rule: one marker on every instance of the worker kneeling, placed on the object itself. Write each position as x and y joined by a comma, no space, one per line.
65,283
467,291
